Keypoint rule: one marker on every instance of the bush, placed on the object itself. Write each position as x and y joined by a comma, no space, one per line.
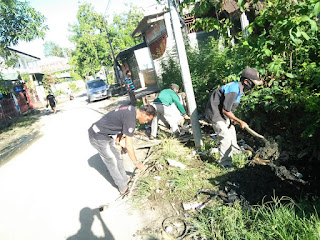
284,47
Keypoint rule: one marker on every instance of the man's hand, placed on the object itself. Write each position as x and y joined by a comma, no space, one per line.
121,149
140,166
186,117
243,124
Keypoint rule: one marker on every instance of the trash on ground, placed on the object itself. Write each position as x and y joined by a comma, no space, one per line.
190,206
298,175
214,150
174,226
175,163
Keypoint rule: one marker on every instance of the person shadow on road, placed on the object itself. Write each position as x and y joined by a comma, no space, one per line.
86,219
96,162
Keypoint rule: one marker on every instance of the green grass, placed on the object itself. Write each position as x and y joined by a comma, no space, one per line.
20,122
176,183
280,219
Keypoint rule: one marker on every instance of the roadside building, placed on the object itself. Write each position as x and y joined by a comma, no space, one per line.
23,83
156,30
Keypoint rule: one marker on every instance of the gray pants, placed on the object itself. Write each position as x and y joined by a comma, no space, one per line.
167,114
112,158
228,141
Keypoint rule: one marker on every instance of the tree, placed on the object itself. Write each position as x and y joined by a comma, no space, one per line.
90,37
283,44
18,21
122,27
91,48
53,49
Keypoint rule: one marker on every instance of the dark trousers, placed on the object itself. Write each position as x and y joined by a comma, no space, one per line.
112,158
132,96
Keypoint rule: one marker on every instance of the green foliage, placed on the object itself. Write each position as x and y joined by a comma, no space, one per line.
283,45
210,68
19,123
3,88
58,93
91,39
48,79
176,183
170,72
53,49
19,21
122,27
25,77
91,47
74,75
286,43
73,86
280,219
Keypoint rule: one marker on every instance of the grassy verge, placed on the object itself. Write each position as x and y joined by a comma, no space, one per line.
19,123
274,220
279,219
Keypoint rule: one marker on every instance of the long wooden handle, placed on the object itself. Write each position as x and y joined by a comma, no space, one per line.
253,133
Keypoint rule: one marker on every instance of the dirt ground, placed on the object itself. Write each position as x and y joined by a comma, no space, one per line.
284,176
17,138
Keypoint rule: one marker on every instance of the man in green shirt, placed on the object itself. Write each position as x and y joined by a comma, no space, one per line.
165,110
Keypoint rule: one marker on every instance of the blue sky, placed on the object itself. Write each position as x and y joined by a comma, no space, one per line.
59,13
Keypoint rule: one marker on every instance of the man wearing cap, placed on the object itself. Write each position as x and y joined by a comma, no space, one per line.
165,110
219,111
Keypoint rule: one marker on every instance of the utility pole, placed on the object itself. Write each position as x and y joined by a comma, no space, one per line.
185,73
114,59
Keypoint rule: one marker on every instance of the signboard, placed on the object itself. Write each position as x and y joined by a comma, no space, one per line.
18,89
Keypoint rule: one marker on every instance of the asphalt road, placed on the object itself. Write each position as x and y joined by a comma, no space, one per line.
52,190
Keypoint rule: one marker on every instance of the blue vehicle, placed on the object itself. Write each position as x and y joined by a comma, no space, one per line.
97,89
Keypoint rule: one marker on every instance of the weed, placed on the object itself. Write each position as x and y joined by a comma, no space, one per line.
20,122
274,220
240,160
279,219
177,183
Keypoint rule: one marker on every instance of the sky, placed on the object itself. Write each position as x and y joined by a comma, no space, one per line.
59,13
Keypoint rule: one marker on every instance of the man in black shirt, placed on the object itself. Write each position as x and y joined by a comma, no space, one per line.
52,101
105,136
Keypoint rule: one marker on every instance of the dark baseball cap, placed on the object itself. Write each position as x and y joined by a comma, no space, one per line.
174,86
253,75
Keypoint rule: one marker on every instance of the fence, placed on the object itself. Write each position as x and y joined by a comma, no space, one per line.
8,111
